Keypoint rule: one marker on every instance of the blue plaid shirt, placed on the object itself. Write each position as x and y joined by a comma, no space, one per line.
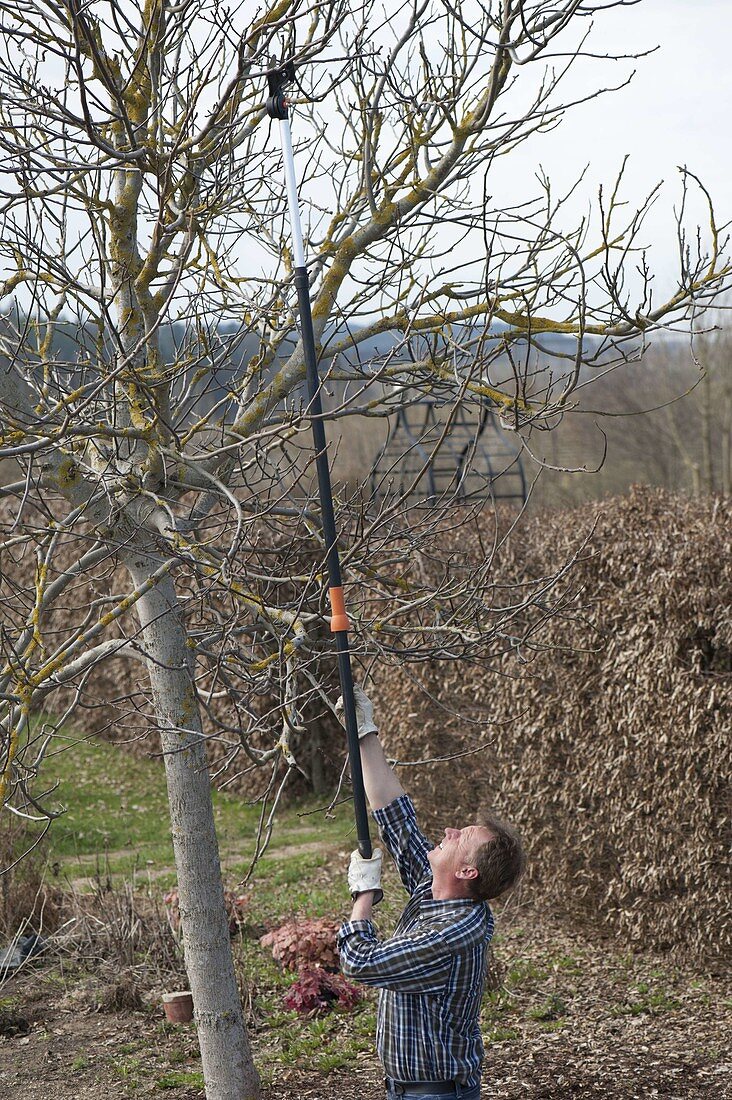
431,972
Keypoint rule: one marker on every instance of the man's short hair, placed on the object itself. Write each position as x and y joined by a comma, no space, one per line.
500,861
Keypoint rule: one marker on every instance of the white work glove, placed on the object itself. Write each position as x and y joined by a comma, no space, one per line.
365,874
364,711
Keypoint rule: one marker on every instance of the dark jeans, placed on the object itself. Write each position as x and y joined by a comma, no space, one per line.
413,1092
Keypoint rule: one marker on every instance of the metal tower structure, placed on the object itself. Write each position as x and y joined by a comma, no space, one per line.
435,452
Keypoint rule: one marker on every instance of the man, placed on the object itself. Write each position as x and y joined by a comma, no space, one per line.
431,972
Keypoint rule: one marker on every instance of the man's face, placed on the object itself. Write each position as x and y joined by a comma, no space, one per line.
457,849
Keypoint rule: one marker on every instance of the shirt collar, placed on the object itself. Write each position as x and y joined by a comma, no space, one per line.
446,905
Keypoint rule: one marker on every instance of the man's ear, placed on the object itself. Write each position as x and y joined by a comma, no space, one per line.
467,872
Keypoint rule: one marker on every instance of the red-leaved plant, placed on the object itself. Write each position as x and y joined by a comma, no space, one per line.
299,944
316,991
309,947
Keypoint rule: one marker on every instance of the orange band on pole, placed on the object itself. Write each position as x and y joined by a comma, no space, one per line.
339,619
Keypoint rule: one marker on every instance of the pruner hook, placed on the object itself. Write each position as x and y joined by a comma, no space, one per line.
277,79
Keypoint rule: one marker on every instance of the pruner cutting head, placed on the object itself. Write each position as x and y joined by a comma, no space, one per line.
276,80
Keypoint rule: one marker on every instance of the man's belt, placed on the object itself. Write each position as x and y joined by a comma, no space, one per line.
428,1088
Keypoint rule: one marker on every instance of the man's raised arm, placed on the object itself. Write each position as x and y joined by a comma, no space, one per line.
397,823
379,779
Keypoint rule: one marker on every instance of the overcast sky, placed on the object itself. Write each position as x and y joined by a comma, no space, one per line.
676,111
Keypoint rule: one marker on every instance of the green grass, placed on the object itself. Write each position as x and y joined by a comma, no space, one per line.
526,971
130,1048
130,1071
650,1002
553,1008
500,1017
568,964
116,821
117,805
325,1043
180,1079
501,1035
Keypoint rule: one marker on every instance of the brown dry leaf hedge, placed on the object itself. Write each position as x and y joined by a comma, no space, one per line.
608,726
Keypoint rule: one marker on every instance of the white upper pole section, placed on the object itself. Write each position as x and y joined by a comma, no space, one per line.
292,200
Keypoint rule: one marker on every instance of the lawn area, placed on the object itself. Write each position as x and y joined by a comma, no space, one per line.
117,817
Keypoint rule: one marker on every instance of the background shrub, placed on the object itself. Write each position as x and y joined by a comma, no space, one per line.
608,725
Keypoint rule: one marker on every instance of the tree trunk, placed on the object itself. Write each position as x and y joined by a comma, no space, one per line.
228,1069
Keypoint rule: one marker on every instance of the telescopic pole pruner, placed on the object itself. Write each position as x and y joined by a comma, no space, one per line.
277,108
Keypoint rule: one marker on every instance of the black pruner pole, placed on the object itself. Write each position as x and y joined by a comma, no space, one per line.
339,624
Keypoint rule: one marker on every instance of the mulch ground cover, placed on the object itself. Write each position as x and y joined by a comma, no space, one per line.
575,1018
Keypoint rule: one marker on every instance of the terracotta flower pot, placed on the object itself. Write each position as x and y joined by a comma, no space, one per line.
178,1006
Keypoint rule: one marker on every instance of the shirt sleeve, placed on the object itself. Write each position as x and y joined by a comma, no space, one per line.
404,839
418,963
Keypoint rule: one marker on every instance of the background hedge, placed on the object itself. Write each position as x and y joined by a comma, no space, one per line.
608,729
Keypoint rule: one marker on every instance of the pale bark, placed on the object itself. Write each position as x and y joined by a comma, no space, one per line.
228,1068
